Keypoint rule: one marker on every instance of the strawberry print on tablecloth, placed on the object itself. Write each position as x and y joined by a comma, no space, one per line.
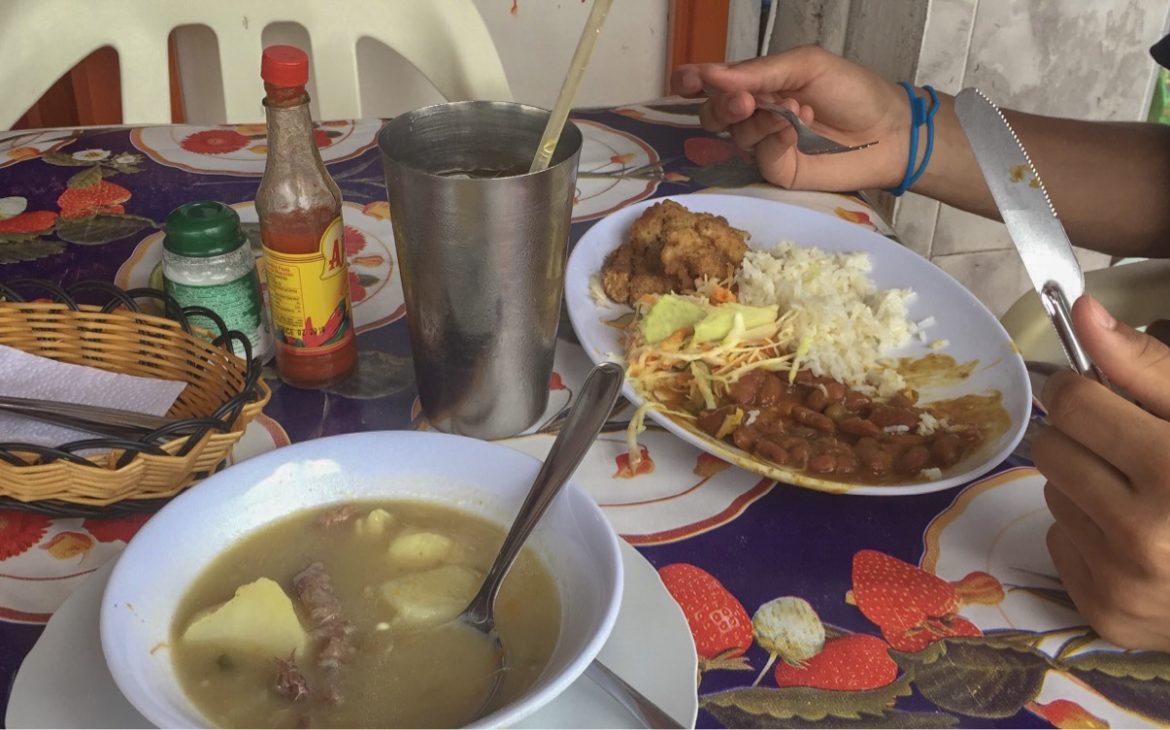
824,676
91,208
846,663
821,675
20,531
918,647
43,560
719,624
912,608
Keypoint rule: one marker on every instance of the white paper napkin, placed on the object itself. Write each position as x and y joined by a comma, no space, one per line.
30,376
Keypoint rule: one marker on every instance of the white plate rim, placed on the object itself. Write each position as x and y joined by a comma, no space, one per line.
90,593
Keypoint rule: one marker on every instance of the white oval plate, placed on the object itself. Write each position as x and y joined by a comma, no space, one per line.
973,332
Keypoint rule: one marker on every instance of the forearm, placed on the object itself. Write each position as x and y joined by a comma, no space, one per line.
1109,182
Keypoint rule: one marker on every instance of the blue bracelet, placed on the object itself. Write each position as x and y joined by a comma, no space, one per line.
918,116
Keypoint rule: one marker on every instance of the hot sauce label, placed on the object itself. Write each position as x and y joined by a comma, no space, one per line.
308,295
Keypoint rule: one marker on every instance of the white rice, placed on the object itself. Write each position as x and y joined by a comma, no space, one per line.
849,323
927,424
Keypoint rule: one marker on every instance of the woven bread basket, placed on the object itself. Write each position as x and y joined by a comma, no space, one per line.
223,394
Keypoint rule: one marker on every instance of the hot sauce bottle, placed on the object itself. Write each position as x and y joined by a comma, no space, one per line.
299,206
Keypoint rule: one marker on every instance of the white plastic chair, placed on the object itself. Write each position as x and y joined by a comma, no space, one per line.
446,40
1136,293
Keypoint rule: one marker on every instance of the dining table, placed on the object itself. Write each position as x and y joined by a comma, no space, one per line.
976,630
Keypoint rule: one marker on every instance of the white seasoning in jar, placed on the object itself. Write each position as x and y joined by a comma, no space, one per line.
207,263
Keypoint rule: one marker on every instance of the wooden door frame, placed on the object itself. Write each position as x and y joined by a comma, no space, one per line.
698,32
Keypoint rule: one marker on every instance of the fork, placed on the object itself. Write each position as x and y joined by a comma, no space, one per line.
110,422
808,142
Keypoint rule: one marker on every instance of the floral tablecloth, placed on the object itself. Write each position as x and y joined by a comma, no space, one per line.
938,610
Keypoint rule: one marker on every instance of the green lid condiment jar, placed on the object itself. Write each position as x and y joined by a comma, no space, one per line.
207,262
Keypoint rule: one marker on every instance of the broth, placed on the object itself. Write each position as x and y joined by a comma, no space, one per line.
371,586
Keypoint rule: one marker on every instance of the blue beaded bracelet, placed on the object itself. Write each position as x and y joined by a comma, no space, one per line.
919,115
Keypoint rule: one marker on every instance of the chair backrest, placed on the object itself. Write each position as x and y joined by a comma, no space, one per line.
1136,293
40,40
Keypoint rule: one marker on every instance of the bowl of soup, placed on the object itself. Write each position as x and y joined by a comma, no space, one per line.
318,586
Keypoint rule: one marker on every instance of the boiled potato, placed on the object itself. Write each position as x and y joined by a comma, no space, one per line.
375,524
259,619
420,550
432,596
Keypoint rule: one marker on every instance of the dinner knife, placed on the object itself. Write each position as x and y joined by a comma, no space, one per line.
1031,220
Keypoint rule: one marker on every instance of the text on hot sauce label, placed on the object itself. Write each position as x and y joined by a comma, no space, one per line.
308,294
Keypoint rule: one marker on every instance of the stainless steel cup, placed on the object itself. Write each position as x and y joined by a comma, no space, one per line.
481,249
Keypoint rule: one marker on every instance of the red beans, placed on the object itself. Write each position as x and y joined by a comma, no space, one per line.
816,400
709,422
745,437
905,399
768,421
946,450
771,389
798,448
913,460
812,419
820,426
804,376
822,464
885,416
867,445
878,463
856,402
834,391
743,391
772,451
846,463
860,427
904,440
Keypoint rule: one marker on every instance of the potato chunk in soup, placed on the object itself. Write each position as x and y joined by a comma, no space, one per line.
432,596
421,550
338,617
259,619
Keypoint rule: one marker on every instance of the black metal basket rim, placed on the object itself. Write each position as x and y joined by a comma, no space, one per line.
194,428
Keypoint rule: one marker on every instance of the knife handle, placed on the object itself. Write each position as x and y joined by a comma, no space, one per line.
1060,313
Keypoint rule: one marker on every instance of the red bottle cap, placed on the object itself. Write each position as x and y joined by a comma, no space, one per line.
284,66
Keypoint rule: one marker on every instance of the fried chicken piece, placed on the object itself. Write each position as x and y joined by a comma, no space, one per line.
616,273
668,249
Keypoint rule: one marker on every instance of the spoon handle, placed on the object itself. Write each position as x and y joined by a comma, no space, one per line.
641,706
588,414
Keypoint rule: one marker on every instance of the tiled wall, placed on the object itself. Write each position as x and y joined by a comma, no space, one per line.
1075,58
1072,58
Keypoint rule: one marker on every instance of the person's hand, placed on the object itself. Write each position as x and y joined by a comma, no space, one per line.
837,98
1107,462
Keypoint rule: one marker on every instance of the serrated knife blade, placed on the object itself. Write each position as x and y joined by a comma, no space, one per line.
1031,220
